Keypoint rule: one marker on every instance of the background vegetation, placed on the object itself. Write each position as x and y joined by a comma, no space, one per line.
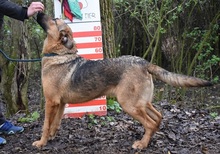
181,36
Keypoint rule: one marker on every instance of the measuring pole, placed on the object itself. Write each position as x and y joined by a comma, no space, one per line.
87,34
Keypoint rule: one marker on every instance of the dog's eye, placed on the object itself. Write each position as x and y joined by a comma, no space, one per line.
54,19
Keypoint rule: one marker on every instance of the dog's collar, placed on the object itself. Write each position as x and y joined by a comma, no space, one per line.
50,54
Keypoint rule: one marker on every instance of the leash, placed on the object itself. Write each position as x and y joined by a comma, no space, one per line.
19,60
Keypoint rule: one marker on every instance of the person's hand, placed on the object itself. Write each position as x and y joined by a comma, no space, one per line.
34,8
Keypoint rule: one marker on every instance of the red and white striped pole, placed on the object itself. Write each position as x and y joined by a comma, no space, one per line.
87,34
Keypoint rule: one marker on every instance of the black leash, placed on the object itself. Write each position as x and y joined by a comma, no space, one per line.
19,60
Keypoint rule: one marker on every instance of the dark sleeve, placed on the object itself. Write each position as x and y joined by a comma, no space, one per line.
13,10
1,20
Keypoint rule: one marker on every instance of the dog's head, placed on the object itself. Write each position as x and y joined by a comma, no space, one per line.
59,35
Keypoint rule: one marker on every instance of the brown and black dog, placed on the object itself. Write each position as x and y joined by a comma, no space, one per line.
67,77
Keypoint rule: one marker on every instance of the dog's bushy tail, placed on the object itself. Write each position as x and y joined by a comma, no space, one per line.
177,80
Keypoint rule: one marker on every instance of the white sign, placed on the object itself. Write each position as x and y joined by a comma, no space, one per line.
90,10
88,38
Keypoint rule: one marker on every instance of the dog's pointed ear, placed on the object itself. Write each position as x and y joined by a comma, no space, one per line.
65,40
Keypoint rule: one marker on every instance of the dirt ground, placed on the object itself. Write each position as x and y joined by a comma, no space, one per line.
189,126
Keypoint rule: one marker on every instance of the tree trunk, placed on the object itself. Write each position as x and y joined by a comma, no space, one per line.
107,20
8,87
14,79
23,70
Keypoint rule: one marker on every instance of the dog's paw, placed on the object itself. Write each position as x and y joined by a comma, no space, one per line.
138,145
51,137
53,134
39,144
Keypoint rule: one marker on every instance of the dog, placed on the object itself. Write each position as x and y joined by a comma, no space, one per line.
67,77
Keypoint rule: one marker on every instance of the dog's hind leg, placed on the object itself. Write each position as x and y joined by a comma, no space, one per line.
135,98
50,111
154,114
150,126
57,121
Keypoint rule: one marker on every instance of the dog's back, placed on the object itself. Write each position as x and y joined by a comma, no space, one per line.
109,72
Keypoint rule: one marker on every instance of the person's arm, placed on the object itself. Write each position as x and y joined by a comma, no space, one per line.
18,12
1,20
13,10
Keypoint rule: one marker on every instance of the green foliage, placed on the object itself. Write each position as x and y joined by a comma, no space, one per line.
148,18
112,104
97,120
92,118
214,114
152,22
30,118
207,60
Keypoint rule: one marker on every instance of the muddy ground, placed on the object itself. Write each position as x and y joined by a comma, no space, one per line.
190,126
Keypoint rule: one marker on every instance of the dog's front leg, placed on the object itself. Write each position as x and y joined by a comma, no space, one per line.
50,111
57,120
